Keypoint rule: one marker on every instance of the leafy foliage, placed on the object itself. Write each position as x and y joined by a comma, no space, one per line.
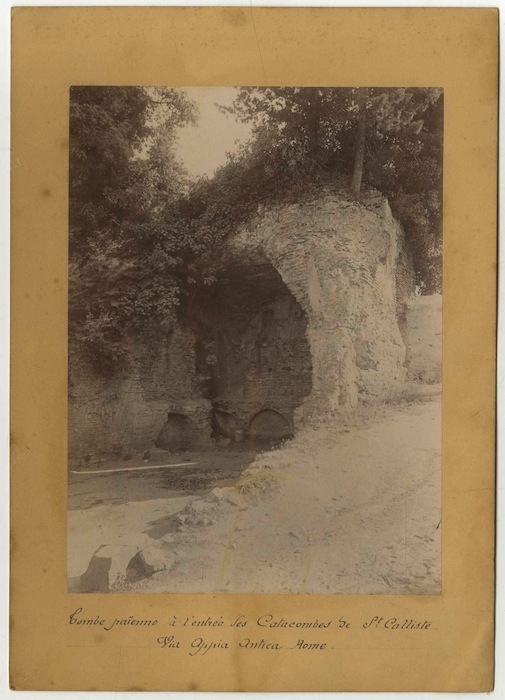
144,239
123,173
310,135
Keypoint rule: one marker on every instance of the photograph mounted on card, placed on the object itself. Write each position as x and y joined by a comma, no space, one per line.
255,340
245,427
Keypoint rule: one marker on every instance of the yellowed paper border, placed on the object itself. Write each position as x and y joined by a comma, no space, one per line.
54,48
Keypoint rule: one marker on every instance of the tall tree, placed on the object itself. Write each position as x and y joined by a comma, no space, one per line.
123,172
359,156
393,110
387,138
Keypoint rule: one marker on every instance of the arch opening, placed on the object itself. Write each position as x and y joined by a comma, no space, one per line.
252,351
269,425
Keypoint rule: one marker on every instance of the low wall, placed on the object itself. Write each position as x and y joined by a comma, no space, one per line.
424,338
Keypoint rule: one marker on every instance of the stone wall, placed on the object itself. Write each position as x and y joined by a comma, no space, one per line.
348,266
309,313
126,414
424,338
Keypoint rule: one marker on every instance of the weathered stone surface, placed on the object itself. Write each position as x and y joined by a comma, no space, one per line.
424,338
108,568
348,266
256,329
125,414
113,566
307,315
154,559
223,442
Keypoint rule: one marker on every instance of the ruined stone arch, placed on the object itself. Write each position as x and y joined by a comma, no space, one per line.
252,349
308,314
326,249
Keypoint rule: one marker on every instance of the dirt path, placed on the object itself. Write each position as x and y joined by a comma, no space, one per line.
358,512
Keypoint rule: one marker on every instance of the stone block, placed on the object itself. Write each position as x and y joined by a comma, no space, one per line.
152,559
108,568
113,566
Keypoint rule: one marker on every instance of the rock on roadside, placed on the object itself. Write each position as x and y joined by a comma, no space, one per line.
113,566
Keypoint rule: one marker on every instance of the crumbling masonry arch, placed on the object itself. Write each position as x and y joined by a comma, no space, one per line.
334,271
252,350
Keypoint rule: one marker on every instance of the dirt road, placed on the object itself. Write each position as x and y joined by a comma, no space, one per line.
354,512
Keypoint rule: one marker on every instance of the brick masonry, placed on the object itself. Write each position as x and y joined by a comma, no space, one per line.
313,309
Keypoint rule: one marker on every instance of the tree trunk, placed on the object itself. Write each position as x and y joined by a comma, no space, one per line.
357,173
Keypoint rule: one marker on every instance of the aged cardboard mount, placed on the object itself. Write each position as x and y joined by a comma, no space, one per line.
349,328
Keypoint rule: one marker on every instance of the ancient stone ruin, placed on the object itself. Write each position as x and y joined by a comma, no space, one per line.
313,309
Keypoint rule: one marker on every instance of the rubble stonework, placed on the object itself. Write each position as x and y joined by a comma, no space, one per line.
348,266
309,313
424,338
126,414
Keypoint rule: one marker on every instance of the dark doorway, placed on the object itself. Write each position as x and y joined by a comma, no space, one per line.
268,425
252,351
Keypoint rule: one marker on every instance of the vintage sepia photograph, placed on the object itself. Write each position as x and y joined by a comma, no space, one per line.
255,340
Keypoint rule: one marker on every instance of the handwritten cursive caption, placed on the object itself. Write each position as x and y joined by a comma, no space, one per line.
258,632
